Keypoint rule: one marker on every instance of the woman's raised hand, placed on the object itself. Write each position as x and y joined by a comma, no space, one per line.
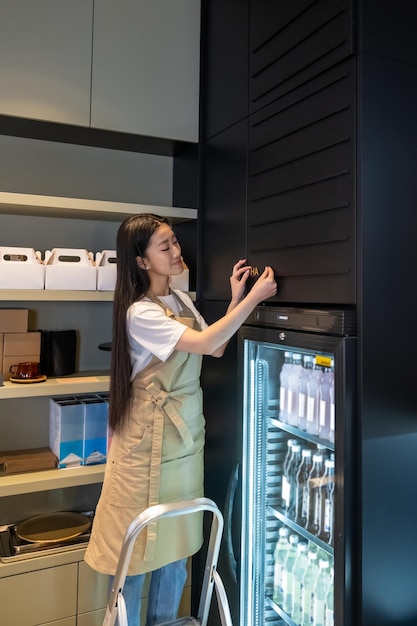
266,285
240,275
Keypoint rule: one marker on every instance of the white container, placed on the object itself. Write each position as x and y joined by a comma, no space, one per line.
66,431
21,268
106,270
70,268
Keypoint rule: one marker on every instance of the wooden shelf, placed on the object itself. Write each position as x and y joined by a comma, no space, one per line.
79,208
59,295
51,295
77,384
47,480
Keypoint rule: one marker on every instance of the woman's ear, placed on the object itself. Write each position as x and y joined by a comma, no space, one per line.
142,264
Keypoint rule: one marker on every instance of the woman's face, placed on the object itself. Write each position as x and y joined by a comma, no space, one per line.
163,254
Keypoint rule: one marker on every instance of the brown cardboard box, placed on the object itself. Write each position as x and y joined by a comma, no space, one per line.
16,344
31,460
14,320
8,361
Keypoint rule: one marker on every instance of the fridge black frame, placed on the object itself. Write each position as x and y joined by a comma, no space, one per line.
344,348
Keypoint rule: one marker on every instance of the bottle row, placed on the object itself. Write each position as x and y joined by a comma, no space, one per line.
307,394
303,580
308,486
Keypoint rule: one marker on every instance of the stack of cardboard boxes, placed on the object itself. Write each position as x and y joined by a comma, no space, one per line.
17,344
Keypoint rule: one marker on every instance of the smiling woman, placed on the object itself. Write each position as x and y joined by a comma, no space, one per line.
156,410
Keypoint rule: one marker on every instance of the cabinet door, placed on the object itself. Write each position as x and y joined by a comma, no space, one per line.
38,597
45,59
145,77
92,589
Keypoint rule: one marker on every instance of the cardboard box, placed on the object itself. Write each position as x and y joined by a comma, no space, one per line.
70,268
30,460
14,320
95,430
8,361
106,264
16,344
66,431
21,268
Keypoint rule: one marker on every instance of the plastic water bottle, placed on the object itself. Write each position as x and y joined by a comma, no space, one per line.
306,372
326,502
332,406
301,512
319,594
283,391
285,487
292,471
312,421
314,503
324,404
300,566
307,586
287,582
329,621
292,406
280,555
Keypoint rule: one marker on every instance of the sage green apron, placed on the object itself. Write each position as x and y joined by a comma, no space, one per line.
157,458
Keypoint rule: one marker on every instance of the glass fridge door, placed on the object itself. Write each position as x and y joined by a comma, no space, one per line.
288,483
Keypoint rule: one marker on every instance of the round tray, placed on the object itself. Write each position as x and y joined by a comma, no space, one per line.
53,527
37,379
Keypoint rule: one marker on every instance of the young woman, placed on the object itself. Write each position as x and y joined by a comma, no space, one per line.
156,413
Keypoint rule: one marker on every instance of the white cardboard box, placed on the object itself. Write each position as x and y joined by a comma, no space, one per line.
70,268
106,270
21,268
66,431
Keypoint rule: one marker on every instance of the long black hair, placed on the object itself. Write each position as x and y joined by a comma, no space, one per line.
132,284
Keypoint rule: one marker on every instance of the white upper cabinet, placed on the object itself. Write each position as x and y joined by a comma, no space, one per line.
128,65
146,58
45,59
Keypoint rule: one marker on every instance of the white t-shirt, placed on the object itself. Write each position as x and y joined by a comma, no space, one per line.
151,332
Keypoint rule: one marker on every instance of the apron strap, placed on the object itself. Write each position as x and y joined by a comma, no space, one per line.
163,400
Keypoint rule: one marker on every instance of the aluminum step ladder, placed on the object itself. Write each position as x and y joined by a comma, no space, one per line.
116,607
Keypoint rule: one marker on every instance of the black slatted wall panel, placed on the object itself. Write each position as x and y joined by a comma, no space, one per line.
301,179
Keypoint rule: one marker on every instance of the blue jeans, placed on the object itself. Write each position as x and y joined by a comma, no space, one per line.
165,591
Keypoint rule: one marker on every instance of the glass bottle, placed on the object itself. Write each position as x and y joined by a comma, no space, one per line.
283,391
280,554
314,483
306,372
293,467
287,583
285,486
307,585
293,378
324,404
319,594
329,621
301,512
326,502
332,405
312,418
300,565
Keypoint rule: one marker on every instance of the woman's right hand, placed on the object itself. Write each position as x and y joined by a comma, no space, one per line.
266,285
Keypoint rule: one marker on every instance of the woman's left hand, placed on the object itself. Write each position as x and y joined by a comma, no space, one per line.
240,275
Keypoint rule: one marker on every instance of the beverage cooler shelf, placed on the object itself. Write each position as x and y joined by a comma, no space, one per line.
302,434
286,618
300,530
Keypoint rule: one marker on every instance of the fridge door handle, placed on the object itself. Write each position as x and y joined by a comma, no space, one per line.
228,513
